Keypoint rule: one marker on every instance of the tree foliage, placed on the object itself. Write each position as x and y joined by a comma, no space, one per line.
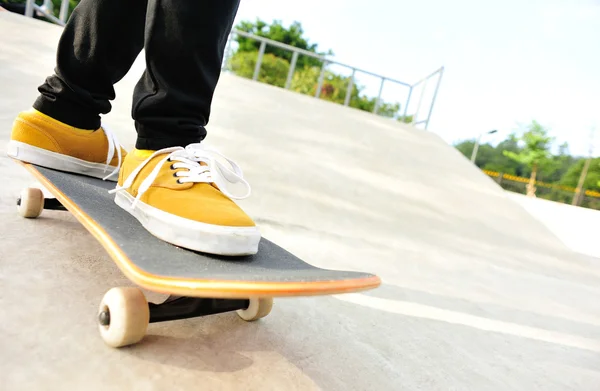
57,3
592,179
535,151
292,35
536,146
493,158
273,69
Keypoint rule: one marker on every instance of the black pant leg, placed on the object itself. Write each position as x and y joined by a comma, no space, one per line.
184,43
97,48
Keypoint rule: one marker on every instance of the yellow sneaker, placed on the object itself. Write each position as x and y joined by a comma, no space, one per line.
39,139
181,196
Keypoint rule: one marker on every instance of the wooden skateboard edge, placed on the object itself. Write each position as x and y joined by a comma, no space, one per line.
225,289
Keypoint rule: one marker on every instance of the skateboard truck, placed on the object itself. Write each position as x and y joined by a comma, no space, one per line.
181,307
53,204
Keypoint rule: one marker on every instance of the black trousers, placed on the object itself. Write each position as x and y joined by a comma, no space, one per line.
184,42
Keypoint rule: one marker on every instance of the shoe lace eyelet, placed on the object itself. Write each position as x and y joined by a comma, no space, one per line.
173,166
179,182
175,175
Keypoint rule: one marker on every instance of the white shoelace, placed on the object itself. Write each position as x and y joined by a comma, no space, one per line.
113,144
190,158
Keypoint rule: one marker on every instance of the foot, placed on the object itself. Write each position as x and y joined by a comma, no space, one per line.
181,196
41,140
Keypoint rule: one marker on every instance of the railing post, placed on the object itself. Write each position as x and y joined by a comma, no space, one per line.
420,101
29,9
437,87
64,11
288,82
378,101
261,53
406,106
321,78
227,54
350,88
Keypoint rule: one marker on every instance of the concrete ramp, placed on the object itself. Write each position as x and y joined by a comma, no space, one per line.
477,294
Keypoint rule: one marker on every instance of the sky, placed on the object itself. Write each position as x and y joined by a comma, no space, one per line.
505,63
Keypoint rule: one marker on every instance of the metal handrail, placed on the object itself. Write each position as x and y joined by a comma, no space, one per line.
326,62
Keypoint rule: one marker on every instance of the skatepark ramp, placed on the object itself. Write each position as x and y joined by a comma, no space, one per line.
466,271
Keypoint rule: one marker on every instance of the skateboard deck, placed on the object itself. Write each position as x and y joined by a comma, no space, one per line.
162,267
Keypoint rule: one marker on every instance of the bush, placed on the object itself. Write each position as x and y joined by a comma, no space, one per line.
273,70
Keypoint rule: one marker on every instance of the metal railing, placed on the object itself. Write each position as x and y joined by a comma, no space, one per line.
423,83
46,10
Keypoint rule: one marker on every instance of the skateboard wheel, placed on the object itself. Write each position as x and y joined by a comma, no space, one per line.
31,202
258,308
123,316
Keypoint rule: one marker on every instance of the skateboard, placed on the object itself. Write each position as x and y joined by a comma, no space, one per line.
197,284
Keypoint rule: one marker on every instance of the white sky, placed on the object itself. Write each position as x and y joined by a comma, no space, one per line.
505,61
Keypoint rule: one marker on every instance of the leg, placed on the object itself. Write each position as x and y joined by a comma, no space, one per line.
182,196
97,48
184,42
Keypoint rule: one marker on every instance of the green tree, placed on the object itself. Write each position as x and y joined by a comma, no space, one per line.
501,162
493,159
592,179
57,3
557,165
405,119
334,88
276,31
535,153
591,182
368,104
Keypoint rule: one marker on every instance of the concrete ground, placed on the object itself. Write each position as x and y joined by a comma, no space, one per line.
574,226
477,294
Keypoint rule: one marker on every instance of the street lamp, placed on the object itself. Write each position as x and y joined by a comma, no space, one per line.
476,147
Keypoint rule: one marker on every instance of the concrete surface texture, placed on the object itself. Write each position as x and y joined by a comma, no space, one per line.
574,226
477,294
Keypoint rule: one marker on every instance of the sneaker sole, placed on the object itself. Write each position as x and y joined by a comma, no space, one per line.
42,157
190,234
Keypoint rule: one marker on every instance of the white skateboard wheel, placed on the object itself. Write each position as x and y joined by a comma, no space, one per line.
30,203
123,316
258,308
